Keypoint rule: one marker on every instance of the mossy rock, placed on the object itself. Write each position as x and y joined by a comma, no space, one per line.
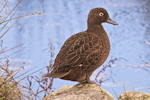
134,95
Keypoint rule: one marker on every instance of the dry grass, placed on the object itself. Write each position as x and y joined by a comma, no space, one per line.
12,85
10,89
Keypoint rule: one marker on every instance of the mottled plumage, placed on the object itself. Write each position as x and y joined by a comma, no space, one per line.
84,52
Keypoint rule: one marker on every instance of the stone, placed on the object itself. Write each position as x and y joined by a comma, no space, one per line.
80,92
134,95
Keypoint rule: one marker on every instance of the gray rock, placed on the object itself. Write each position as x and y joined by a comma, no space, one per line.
80,92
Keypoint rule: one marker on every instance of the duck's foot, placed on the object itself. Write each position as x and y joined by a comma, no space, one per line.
87,82
91,82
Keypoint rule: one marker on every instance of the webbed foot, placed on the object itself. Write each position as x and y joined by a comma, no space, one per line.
87,82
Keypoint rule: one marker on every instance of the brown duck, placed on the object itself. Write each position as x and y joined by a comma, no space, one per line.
84,52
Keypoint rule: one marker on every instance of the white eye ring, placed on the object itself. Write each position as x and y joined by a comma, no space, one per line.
101,14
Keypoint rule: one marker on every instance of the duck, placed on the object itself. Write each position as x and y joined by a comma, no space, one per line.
84,52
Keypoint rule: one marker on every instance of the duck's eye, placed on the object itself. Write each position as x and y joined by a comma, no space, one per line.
101,14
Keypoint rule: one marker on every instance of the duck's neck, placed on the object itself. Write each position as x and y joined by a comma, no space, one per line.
97,29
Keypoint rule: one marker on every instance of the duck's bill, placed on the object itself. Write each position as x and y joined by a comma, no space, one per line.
111,21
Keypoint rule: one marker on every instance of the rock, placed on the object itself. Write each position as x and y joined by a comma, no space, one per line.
134,95
80,92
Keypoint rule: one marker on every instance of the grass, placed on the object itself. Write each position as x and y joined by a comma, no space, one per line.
12,85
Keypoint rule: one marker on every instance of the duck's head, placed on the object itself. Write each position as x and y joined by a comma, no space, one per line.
98,16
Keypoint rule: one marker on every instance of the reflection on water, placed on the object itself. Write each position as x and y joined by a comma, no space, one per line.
62,18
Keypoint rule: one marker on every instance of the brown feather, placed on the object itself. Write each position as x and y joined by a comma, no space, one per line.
84,52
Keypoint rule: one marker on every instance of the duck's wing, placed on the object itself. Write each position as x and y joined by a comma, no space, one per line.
58,73
61,57
73,53
77,52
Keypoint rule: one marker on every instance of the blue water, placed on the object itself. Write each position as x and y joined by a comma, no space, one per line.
62,18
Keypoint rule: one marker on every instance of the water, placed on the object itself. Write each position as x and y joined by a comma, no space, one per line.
62,18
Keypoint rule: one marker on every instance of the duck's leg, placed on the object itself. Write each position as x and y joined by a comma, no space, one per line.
87,80
87,77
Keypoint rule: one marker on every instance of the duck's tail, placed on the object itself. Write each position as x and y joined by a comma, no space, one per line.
57,75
